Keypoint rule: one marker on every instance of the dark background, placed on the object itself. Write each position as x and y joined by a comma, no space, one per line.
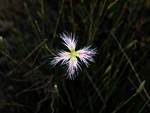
29,84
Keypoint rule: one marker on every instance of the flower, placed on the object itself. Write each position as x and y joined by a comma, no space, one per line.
69,59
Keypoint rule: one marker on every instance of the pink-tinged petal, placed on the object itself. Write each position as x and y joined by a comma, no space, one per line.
69,59
62,56
69,40
73,67
86,55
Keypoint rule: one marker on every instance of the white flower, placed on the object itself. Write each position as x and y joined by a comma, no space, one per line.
70,58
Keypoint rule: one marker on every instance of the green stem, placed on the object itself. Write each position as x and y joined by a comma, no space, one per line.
124,103
49,50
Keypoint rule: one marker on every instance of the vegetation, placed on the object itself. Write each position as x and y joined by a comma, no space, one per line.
118,80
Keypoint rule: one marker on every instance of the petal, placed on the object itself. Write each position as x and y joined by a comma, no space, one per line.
73,67
69,41
62,56
86,55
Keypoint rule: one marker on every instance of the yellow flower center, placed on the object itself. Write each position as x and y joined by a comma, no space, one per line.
73,54
72,49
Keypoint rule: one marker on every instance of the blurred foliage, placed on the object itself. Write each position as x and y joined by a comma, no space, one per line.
28,83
